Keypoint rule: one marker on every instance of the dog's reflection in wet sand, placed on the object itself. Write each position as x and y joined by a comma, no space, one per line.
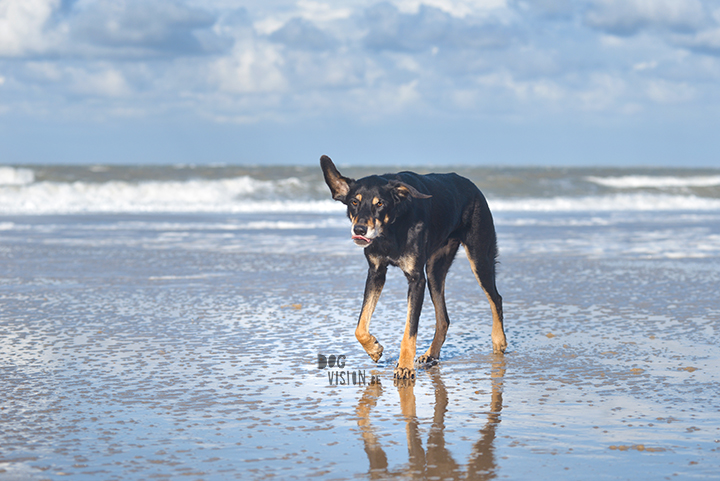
435,461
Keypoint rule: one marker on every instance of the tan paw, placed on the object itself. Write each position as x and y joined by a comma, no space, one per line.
404,373
375,351
427,359
499,348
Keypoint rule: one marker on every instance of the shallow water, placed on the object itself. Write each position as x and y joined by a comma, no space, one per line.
186,346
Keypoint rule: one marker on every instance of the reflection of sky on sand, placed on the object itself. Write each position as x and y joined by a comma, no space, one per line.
165,346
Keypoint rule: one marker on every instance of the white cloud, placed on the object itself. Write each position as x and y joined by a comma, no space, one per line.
268,25
640,66
603,92
105,28
321,11
666,92
385,99
141,27
289,59
456,8
49,71
96,79
253,67
542,89
22,25
308,71
551,9
407,93
298,33
627,17
429,29
706,41
106,82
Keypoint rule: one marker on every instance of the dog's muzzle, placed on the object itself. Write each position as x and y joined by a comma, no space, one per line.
362,235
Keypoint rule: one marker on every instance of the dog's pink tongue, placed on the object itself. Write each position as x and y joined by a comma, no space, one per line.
361,238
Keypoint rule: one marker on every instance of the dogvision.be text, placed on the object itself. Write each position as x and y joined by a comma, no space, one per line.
340,377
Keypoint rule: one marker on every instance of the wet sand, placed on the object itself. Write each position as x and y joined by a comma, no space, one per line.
143,347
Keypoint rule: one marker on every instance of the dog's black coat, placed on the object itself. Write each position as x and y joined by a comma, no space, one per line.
417,222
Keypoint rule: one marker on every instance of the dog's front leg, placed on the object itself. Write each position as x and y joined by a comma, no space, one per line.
373,287
405,368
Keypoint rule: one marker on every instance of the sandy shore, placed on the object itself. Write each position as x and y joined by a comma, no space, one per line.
138,347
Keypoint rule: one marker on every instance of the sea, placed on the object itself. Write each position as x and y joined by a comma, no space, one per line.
40,190
168,321
679,207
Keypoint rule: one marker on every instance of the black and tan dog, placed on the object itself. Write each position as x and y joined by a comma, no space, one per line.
417,222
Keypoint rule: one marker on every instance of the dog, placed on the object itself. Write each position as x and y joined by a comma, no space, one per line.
417,222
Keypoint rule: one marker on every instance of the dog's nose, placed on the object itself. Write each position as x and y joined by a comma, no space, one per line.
360,229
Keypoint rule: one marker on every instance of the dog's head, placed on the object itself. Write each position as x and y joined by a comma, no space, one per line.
373,202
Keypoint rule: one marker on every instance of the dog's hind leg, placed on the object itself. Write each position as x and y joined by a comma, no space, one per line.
437,269
481,248
484,269
373,287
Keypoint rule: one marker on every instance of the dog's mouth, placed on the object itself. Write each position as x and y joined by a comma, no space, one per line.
361,240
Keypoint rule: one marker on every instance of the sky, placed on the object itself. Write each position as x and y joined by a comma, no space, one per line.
418,82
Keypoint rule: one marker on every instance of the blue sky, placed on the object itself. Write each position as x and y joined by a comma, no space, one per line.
496,82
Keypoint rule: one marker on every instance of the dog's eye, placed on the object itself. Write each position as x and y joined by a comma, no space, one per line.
354,202
379,203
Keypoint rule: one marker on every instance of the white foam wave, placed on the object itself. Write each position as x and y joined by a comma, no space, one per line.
242,194
616,202
248,195
16,176
645,181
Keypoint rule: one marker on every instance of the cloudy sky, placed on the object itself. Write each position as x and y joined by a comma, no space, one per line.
500,82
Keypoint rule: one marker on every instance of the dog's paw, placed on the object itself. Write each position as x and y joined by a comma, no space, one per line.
499,348
427,359
499,341
404,373
375,352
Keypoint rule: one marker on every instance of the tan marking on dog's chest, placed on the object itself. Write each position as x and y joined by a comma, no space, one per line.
407,263
376,262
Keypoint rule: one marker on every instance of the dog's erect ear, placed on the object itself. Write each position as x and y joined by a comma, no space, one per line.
339,185
403,190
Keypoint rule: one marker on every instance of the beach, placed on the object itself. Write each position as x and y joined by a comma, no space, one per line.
167,322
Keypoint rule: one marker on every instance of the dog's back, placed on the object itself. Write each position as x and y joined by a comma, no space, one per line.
456,204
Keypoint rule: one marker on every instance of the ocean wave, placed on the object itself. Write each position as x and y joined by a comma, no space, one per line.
288,195
16,176
659,182
241,194
607,203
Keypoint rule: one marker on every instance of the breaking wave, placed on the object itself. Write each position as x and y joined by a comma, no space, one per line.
659,182
16,176
23,192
